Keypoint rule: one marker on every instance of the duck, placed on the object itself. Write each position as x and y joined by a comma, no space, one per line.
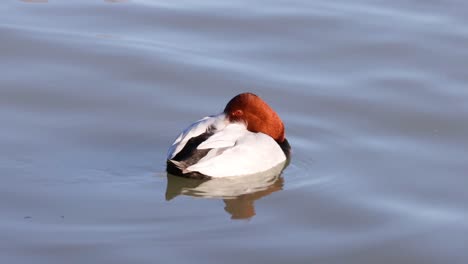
247,138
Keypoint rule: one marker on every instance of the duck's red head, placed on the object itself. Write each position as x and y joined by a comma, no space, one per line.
258,115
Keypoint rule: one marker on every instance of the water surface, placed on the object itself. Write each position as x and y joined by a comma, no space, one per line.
373,95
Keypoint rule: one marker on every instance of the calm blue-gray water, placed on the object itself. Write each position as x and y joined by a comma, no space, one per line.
373,95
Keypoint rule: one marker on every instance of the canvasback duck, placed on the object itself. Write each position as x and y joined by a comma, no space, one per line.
246,138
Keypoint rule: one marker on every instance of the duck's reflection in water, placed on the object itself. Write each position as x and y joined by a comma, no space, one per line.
238,193
243,207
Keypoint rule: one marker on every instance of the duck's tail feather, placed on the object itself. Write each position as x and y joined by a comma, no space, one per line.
179,168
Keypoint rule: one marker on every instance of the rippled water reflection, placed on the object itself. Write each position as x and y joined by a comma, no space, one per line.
372,93
238,195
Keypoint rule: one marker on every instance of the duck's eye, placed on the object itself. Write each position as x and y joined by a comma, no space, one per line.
237,113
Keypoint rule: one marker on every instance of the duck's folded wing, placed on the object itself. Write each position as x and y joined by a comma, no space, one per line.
194,130
252,153
224,138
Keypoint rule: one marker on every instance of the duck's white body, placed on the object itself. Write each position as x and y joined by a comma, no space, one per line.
232,150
